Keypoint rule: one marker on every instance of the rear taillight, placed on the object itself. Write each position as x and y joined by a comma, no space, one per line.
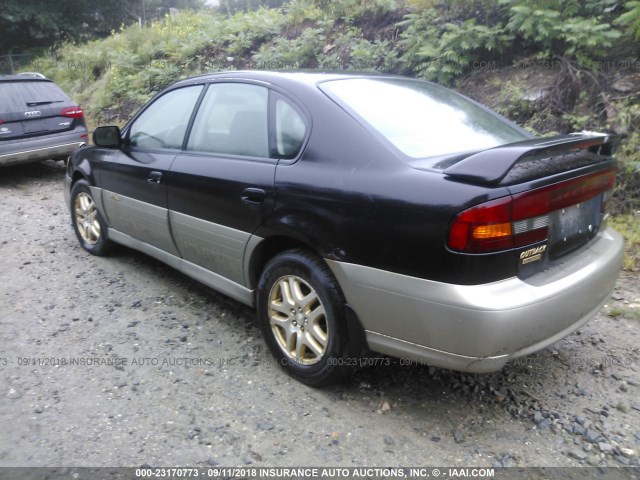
483,228
72,112
522,219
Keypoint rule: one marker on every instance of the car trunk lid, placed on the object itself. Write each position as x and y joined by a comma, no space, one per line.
559,189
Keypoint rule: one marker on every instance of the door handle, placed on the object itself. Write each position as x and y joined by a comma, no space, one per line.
154,177
252,196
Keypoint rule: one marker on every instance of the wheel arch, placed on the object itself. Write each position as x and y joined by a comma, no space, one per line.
265,250
79,166
93,235
83,172
268,248
78,175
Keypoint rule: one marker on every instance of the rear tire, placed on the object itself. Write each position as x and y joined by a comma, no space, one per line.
90,227
302,317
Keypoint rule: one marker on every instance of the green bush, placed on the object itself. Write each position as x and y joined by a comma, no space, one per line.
631,18
629,226
244,32
538,25
443,52
300,52
572,29
300,11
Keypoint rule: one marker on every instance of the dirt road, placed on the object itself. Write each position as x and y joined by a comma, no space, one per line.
122,361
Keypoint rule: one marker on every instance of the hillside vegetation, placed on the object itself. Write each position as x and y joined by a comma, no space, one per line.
553,66
28,26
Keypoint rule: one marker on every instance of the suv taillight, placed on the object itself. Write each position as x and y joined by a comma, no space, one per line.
72,112
522,219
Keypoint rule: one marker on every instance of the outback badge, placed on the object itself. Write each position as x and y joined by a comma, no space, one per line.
532,255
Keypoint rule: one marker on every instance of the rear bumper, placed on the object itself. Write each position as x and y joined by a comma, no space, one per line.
479,328
41,148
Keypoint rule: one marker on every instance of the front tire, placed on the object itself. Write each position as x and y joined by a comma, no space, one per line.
302,318
88,224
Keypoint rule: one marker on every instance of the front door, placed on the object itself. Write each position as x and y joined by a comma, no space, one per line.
134,182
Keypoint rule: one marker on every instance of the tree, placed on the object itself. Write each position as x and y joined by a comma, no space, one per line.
27,24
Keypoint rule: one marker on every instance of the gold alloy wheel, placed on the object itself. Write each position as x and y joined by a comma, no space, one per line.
298,320
87,218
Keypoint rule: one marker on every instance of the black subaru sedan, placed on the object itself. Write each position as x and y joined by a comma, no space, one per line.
359,214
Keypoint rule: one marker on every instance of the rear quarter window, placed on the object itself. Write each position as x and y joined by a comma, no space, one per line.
290,129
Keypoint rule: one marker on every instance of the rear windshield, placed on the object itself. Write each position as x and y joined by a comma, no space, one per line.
18,96
422,119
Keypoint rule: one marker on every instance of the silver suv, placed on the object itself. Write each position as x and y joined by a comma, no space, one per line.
37,120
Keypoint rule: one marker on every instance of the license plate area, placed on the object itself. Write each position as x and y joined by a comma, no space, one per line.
572,227
34,126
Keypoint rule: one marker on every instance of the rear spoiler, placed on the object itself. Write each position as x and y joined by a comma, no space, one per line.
491,166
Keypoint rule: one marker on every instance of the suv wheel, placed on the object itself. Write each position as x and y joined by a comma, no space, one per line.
301,313
88,223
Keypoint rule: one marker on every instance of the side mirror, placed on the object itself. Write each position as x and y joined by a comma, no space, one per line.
107,137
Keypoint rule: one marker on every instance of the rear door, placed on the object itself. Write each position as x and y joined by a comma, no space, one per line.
134,179
221,187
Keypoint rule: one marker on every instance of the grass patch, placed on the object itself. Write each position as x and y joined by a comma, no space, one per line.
629,226
625,312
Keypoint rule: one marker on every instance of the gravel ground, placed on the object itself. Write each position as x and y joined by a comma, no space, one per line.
122,361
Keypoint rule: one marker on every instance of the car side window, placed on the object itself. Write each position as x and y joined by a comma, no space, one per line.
164,123
232,120
290,129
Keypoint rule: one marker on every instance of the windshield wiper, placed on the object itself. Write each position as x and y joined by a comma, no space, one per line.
44,102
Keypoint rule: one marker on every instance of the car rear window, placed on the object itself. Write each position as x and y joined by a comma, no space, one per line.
422,119
17,96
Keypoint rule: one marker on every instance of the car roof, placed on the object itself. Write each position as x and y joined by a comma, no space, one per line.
24,78
301,77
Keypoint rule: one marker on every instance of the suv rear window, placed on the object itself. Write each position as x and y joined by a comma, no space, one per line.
20,95
422,119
